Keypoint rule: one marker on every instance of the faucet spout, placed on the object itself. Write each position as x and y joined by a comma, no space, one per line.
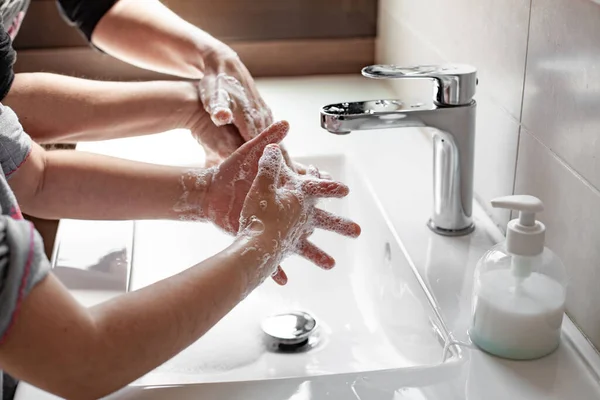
344,118
453,140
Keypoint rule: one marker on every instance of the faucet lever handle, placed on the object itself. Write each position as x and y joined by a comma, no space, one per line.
454,83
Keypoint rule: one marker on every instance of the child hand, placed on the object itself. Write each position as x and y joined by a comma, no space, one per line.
280,208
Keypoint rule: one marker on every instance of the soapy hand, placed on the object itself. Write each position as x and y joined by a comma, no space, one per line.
230,97
219,142
219,193
280,208
230,182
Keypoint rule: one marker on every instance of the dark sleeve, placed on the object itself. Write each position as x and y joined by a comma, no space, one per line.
84,14
7,60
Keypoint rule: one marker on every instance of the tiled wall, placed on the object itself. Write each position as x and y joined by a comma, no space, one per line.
538,128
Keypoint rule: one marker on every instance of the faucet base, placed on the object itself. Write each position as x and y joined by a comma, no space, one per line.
450,232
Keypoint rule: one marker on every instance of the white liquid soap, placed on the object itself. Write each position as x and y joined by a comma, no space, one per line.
520,320
520,291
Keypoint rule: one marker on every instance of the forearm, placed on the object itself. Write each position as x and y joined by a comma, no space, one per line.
61,108
82,185
61,347
147,34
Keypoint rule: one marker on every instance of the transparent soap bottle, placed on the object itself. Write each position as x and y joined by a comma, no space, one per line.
519,289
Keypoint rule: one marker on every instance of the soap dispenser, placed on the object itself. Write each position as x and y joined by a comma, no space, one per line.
519,289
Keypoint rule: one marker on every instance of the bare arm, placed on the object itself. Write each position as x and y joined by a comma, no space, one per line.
147,34
72,184
60,108
74,352
79,185
61,347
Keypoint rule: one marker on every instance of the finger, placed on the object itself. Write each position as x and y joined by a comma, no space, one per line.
269,167
304,170
217,101
323,188
206,87
331,222
313,171
245,120
314,254
245,117
325,175
263,116
274,134
300,168
279,276
260,117
288,159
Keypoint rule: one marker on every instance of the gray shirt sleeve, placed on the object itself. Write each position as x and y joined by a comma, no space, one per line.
22,265
23,262
15,144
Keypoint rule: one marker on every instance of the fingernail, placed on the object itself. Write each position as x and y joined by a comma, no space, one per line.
283,123
279,278
221,116
356,231
328,266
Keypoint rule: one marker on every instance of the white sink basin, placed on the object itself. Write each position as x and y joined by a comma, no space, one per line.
373,312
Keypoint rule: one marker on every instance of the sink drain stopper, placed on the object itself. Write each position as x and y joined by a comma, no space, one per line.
290,332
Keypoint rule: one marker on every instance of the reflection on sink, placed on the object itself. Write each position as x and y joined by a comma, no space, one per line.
372,311
93,255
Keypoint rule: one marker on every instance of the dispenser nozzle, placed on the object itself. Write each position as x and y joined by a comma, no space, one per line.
525,204
525,235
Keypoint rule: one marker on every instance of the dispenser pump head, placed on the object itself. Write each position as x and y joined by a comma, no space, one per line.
525,235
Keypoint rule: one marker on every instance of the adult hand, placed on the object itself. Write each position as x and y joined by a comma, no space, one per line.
219,142
230,96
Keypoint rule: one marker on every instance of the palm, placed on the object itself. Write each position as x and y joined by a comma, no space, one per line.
219,142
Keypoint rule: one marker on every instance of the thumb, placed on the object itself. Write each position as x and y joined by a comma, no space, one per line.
269,167
216,100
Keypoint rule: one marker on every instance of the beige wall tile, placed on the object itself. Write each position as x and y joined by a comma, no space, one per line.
562,93
572,218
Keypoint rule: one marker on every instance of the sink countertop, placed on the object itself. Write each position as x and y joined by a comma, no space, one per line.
398,164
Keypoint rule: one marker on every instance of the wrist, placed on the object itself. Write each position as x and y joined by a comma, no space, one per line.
259,254
189,105
212,53
205,43
194,201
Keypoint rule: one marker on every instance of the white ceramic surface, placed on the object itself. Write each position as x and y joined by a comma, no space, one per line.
372,311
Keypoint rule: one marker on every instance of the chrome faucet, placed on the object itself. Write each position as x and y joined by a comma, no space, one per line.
452,114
